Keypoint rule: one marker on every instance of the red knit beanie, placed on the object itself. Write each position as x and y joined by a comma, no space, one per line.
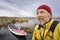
47,8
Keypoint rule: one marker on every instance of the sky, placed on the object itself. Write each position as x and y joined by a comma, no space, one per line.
27,8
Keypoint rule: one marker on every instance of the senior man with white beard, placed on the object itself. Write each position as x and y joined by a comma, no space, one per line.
48,28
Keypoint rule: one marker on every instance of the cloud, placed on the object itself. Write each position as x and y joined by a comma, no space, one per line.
15,12
20,13
27,8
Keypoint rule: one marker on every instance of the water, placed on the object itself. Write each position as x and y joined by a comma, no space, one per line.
30,23
5,34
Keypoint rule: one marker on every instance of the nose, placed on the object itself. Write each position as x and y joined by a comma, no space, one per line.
39,15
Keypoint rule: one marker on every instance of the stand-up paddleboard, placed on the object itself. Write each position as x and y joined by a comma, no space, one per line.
16,30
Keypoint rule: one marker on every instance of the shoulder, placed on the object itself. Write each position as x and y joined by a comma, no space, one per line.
58,26
36,27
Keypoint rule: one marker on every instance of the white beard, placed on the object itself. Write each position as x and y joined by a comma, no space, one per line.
45,21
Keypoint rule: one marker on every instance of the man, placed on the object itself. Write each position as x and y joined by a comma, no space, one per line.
48,28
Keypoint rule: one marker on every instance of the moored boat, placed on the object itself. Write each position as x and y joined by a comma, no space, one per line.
17,31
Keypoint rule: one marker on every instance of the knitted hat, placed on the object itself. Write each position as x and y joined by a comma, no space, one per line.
47,8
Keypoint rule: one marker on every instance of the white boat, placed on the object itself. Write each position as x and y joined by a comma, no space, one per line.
16,31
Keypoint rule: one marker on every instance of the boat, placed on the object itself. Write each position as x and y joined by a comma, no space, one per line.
17,31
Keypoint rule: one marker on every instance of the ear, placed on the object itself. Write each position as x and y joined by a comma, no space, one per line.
51,16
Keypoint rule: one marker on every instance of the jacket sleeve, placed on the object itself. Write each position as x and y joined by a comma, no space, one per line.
34,33
33,36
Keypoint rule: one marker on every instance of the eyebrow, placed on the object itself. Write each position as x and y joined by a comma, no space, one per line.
41,11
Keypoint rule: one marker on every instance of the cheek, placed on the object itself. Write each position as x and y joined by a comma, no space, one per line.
47,16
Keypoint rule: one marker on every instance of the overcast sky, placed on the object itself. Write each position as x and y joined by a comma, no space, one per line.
27,8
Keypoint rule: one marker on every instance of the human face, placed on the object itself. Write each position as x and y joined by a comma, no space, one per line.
43,16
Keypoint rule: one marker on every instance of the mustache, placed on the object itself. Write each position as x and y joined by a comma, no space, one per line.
40,18
46,19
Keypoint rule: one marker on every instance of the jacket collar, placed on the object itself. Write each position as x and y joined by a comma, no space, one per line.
48,25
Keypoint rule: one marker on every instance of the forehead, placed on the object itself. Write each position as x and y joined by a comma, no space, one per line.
42,10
